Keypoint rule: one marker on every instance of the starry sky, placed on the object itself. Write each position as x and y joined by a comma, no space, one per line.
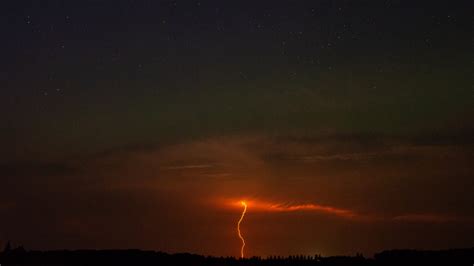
137,124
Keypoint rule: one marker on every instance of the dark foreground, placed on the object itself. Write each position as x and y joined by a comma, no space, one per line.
20,256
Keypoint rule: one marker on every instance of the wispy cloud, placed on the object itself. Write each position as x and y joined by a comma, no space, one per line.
267,206
431,218
188,166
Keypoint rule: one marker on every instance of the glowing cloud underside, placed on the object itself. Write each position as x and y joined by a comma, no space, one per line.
266,206
243,203
262,206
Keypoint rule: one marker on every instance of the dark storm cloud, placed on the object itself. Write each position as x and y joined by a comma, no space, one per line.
461,137
367,146
442,136
37,169
146,190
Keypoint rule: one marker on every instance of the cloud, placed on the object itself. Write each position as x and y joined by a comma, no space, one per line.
22,169
266,206
256,205
189,166
345,182
431,218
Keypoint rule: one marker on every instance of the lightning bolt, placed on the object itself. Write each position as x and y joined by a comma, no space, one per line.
238,228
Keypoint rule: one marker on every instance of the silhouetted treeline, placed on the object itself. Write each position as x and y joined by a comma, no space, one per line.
21,256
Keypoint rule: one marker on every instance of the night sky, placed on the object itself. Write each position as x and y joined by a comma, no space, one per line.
347,126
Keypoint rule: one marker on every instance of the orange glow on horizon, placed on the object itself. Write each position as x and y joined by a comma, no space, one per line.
265,206
243,203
